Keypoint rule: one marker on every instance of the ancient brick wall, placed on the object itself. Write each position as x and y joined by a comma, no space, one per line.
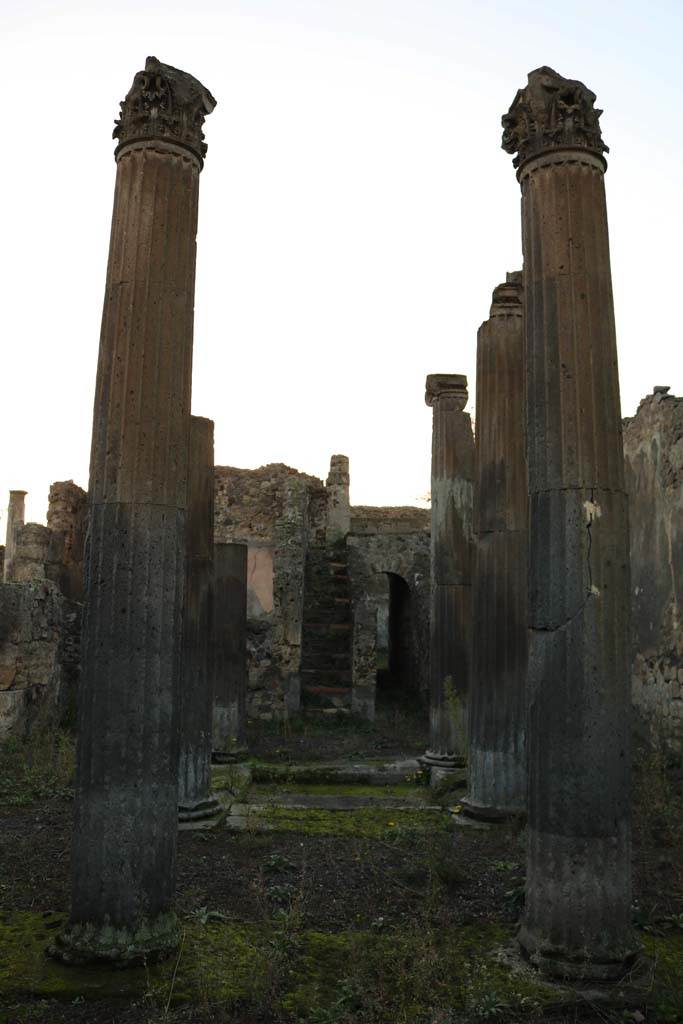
653,448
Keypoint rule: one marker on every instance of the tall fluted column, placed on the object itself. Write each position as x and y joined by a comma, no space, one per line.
230,651
126,801
497,708
15,520
195,803
451,571
577,918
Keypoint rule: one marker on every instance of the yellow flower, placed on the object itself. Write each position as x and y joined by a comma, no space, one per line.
456,810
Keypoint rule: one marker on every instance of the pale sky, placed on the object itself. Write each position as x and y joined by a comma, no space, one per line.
356,212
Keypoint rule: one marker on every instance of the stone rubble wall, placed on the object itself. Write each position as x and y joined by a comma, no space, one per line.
653,448
276,511
379,550
39,655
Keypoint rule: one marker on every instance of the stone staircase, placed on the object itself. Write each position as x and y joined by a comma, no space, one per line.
326,631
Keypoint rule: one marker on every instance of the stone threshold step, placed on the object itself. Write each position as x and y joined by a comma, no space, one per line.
375,773
330,802
254,817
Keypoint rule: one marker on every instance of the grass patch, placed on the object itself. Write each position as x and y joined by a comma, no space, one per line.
365,822
37,769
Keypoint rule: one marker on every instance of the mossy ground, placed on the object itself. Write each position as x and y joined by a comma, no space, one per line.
368,916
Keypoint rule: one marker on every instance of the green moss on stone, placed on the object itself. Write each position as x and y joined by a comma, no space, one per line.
368,822
667,954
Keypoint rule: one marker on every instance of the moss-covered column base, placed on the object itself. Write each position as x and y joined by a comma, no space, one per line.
91,943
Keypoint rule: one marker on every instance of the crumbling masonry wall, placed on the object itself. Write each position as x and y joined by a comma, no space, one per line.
277,511
40,616
653,448
382,541
39,655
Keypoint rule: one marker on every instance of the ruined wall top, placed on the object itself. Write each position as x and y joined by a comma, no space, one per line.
339,470
551,112
507,297
379,519
164,103
452,384
249,502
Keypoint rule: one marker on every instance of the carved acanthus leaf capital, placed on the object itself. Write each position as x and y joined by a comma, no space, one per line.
453,385
552,112
165,103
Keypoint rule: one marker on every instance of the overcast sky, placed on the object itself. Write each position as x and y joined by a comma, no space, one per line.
356,211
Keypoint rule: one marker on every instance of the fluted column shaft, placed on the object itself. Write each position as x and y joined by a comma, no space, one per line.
451,569
123,862
230,651
577,917
15,520
195,802
497,708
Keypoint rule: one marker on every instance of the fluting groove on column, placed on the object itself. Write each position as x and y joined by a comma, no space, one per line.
230,652
451,572
577,917
196,806
126,800
497,709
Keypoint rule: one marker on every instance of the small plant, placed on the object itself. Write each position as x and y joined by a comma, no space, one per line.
277,864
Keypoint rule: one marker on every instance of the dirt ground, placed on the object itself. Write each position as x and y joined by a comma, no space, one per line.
291,883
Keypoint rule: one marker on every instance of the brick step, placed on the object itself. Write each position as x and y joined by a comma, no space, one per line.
325,696
326,628
321,661
333,614
326,677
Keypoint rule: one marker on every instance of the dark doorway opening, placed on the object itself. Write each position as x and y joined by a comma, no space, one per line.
396,669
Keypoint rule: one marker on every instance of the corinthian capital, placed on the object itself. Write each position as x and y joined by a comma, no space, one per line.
165,103
552,112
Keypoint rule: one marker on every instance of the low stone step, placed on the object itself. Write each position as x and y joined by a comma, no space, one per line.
364,773
323,628
320,802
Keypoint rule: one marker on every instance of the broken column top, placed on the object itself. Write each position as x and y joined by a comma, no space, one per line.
452,384
164,103
552,113
507,298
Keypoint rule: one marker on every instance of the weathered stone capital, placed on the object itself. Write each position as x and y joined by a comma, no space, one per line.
551,113
507,297
165,104
453,385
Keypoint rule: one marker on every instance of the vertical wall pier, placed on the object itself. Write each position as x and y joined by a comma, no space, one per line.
451,571
497,707
229,652
126,799
15,520
577,916
195,803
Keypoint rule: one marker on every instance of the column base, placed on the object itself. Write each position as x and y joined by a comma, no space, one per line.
233,756
82,944
442,766
490,815
561,967
205,814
